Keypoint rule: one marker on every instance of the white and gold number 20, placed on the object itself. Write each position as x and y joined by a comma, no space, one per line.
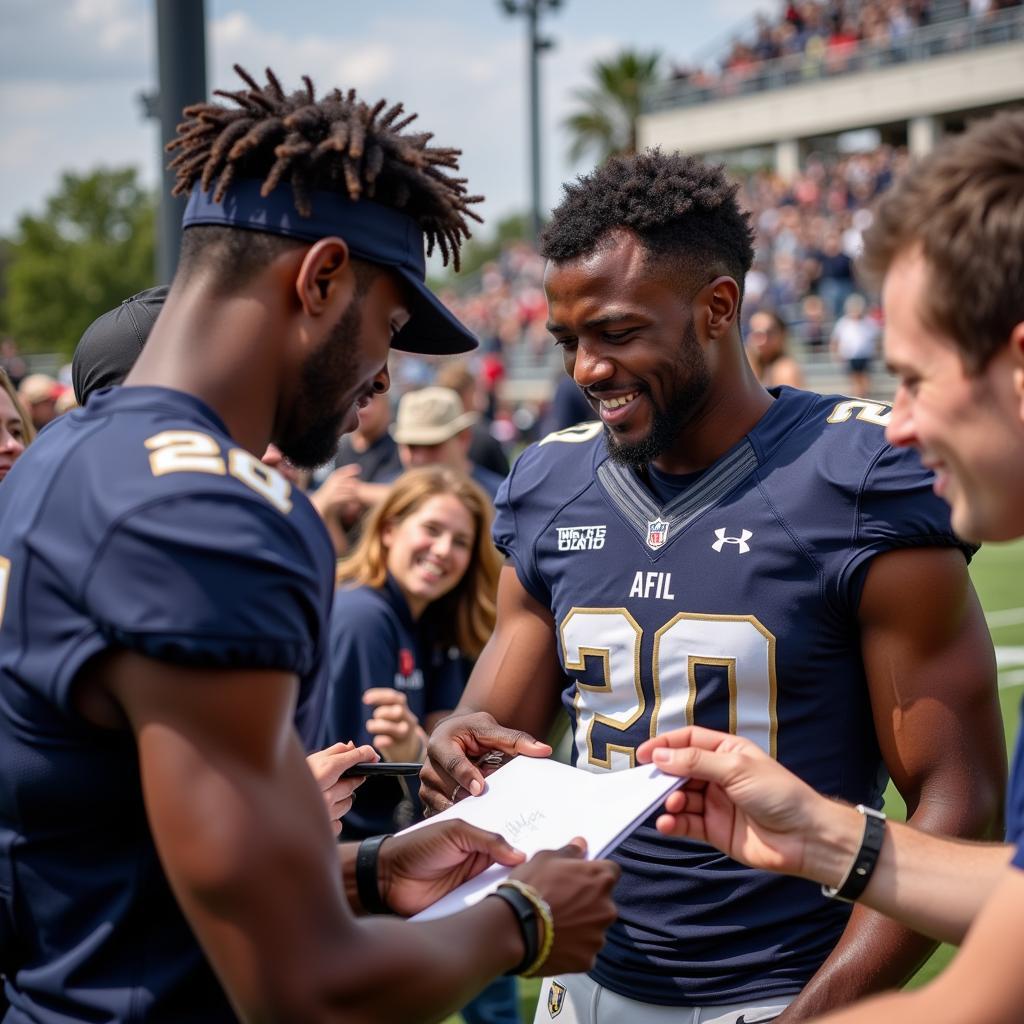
189,451
738,643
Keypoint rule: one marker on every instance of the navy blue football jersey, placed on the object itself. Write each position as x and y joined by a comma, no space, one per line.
134,523
1015,797
733,606
374,641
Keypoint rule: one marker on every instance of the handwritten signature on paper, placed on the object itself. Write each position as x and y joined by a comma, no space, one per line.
528,821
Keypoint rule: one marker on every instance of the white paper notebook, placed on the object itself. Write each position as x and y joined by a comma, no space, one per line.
539,804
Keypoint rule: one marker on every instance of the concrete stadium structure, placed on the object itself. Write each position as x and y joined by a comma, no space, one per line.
934,80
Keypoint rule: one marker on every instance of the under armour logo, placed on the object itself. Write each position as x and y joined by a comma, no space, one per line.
740,541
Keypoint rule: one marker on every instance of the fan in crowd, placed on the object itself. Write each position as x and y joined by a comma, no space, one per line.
433,428
484,449
39,393
416,593
766,350
854,342
16,430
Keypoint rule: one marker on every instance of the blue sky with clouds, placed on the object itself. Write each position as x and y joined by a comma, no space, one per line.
71,72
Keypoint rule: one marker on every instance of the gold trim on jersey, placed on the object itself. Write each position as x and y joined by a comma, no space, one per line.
604,654
184,451
189,451
5,579
729,664
574,435
878,413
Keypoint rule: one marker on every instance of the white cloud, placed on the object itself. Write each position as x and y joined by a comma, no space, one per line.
71,72
89,39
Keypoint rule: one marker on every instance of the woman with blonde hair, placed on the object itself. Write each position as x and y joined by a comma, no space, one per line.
414,600
16,430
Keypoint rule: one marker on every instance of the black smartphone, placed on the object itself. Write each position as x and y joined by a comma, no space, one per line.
384,768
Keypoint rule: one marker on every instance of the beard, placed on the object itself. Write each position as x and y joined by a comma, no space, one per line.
691,381
311,437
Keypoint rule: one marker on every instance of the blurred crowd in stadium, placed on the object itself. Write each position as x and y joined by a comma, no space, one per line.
808,234
823,37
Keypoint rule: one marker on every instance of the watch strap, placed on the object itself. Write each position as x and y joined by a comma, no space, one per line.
856,881
368,875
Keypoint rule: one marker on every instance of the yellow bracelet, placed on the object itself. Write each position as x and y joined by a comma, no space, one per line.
547,937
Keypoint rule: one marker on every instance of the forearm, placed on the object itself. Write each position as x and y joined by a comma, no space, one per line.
347,862
385,968
397,971
339,540
892,1008
946,1000
934,885
512,682
874,953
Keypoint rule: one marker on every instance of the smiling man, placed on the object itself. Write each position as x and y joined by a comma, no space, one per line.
948,240
714,552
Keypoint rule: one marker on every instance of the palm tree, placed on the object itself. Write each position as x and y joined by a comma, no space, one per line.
609,109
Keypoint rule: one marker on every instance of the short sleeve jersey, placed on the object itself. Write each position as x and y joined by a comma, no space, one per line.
734,606
375,642
135,523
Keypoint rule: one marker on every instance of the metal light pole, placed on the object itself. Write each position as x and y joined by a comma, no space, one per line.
535,45
181,50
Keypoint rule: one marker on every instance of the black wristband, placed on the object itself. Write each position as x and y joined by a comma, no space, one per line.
856,881
367,876
526,915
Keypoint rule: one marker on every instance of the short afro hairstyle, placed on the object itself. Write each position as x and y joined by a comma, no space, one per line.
683,210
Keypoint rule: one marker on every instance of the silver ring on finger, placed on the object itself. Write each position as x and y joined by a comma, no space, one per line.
455,792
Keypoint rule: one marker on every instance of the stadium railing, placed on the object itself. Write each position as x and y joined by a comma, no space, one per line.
920,44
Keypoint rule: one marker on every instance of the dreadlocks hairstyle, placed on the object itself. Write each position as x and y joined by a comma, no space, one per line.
683,210
337,143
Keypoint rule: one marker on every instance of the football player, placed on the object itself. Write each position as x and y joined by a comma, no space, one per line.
952,223
164,854
760,562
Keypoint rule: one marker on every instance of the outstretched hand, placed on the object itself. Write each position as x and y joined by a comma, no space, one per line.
417,868
455,743
737,798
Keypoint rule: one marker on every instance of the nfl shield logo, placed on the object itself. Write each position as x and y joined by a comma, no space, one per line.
657,533
556,997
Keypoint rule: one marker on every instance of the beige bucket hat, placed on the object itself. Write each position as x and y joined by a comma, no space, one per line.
430,416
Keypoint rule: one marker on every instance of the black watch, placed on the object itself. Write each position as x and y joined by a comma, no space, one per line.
856,881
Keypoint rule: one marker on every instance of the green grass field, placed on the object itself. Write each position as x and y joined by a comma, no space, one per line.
997,571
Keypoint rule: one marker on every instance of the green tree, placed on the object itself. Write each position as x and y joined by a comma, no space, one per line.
93,247
606,121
